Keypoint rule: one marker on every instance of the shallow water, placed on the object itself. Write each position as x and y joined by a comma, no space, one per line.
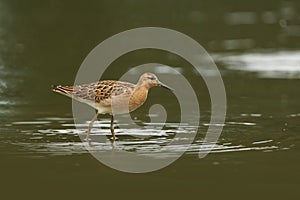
58,136
259,144
42,155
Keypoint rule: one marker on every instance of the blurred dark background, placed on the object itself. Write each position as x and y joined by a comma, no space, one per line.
255,44
47,37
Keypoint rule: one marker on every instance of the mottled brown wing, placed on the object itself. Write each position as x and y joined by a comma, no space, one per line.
102,90
93,91
106,89
97,91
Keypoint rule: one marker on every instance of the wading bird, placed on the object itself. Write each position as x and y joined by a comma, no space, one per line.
111,96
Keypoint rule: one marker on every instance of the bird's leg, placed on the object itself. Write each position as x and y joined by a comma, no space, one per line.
112,130
91,126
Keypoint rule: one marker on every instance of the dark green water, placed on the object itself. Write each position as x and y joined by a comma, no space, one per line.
41,155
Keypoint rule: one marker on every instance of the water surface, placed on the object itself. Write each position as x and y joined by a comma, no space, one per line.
42,156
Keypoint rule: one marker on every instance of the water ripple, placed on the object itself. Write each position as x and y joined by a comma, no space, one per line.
58,136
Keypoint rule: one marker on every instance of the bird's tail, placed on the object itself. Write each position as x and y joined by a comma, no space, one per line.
65,90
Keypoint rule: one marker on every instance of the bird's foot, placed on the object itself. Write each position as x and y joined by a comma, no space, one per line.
114,139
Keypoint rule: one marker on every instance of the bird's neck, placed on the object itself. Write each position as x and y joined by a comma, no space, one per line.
143,84
141,90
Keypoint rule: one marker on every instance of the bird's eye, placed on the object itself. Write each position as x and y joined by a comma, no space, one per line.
152,78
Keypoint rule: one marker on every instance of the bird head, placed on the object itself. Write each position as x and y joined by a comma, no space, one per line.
150,80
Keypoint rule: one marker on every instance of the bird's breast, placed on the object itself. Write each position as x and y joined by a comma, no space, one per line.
137,98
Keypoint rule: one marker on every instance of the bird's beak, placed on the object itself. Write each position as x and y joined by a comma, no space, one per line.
165,86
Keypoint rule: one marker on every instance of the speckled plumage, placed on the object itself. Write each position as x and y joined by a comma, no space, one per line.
97,91
111,96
